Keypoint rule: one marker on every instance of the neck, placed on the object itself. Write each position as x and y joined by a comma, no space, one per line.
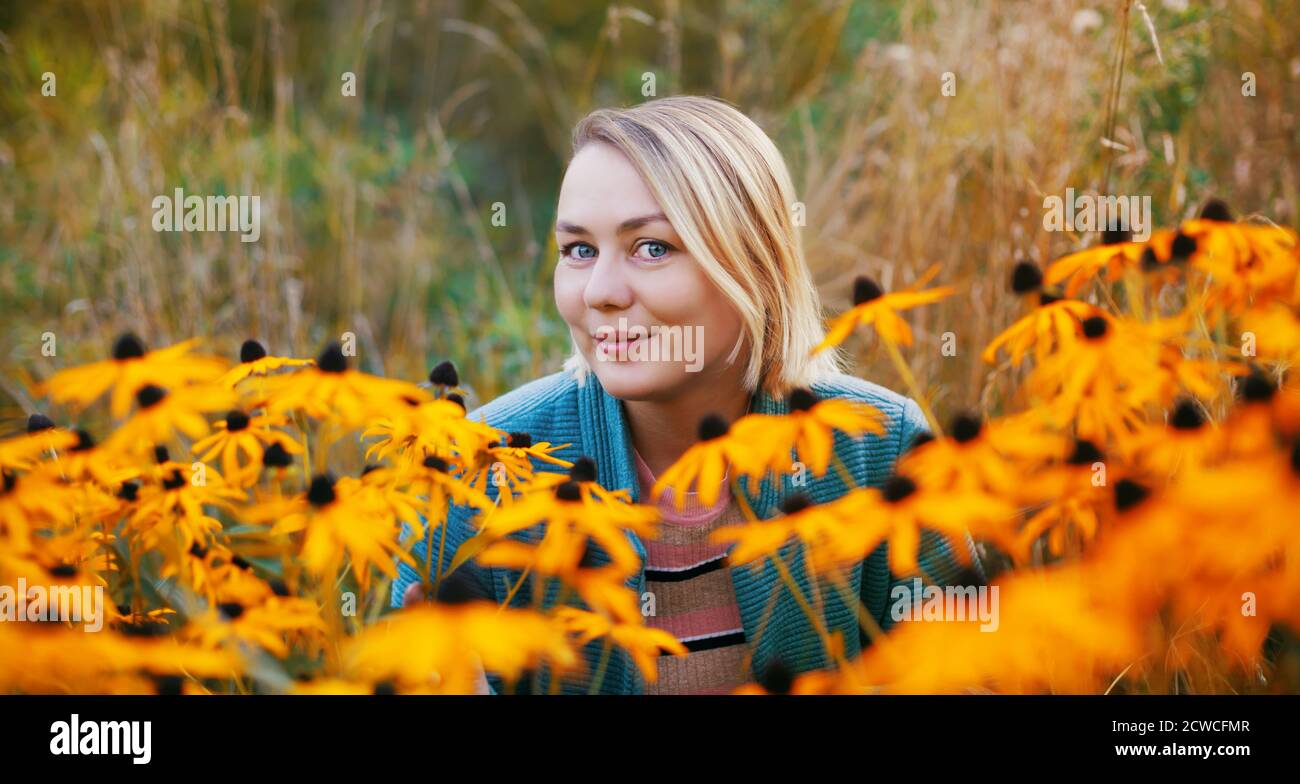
664,429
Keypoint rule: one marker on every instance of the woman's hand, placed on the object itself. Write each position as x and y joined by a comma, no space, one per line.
414,595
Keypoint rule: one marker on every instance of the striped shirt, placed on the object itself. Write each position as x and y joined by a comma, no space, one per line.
694,597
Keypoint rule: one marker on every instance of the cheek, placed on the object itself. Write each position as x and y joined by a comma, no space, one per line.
568,294
722,327
690,299
706,306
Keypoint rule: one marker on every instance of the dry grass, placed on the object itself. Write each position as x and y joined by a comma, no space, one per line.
376,209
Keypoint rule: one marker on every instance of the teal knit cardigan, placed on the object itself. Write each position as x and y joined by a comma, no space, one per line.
559,409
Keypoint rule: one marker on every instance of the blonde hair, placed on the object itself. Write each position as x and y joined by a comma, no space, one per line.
725,189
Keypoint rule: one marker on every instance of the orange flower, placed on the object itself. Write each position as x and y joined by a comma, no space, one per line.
240,433
577,510
338,518
21,452
437,647
508,467
809,429
1116,254
38,499
1054,325
333,392
705,463
644,643
162,413
253,361
871,306
131,368
171,513
429,427
1245,263
984,456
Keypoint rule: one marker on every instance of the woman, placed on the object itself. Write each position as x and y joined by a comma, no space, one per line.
682,280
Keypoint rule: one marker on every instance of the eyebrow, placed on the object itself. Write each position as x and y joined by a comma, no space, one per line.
627,225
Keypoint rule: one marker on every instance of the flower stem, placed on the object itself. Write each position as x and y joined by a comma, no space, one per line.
817,623
787,578
912,387
843,471
600,667
515,589
442,546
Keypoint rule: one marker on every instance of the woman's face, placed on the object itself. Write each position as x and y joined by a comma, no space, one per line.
640,308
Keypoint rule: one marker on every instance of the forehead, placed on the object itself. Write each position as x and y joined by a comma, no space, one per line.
602,187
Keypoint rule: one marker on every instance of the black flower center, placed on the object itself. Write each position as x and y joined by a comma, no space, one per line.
776,678
1129,494
276,456
150,395
966,428
802,399
1186,416
444,374
63,570
129,491
712,426
1216,210
1183,247
865,290
160,455
175,481
1257,388
321,491
84,442
1085,453
232,610
519,440
568,491
236,421
1026,277
897,488
128,346
457,399
436,463
583,470
251,351
332,360
38,422
1094,327
795,503
1115,236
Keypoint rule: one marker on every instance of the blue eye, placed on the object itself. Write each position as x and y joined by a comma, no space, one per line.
654,249
578,250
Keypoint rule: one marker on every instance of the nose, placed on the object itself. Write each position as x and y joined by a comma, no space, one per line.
607,288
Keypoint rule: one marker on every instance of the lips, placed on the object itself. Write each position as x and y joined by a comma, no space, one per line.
613,344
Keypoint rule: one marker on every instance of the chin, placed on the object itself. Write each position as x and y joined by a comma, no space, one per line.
627,381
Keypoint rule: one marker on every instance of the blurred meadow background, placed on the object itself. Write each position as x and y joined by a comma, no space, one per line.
376,209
